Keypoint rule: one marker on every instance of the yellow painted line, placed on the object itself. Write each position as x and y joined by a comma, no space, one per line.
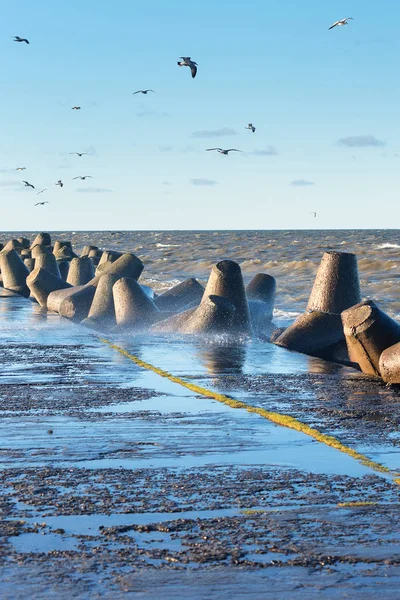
350,504
274,417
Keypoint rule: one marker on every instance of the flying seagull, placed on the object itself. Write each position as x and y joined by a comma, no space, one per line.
27,184
83,177
314,213
20,169
341,22
60,183
19,39
80,153
188,62
222,151
41,203
41,192
143,92
251,127
76,108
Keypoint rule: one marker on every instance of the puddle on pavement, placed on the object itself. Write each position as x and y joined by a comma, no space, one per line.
42,542
90,524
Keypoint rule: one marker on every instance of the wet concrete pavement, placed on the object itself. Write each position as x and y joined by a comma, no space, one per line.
118,483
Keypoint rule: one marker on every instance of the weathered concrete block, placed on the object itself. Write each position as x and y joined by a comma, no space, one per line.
14,272
81,271
179,296
48,262
368,331
42,239
389,364
42,282
336,285
133,308
226,280
76,306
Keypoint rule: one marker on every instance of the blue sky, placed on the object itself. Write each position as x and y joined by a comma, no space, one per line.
325,104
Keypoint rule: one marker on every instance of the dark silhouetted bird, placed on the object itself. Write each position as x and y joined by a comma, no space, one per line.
83,177
188,62
251,127
76,108
19,39
20,169
143,92
222,151
80,153
60,183
41,203
27,184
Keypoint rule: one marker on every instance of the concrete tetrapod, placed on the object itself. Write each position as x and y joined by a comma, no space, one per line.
25,243
389,364
64,253
215,315
133,308
81,271
107,256
315,333
368,331
14,272
13,245
226,280
48,262
39,249
261,292
127,265
319,331
174,323
336,286
179,296
56,298
86,250
58,244
262,288
42,239
76,306
102,311
42,282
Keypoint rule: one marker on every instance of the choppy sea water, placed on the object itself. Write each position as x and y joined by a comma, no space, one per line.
292,257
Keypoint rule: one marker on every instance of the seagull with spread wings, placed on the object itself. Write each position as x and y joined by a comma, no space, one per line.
76,108
251,127
341,22
143,92
222,151
41,192
27,184
20,169
60,183
20,39
188,62
41,203
83,177
80,153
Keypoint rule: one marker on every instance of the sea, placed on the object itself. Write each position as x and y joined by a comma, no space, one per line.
292,257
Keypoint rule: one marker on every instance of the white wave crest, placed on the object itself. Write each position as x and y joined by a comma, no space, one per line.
383,246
